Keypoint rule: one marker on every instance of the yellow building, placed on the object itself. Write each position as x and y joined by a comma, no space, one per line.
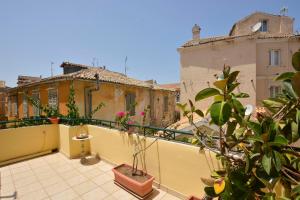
117,91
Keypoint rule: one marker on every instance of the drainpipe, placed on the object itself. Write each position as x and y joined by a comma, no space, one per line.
94,90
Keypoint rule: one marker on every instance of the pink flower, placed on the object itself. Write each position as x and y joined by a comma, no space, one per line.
130,122
121,114
142,113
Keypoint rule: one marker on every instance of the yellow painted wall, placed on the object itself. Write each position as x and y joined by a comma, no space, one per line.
176,166
18,142
67,145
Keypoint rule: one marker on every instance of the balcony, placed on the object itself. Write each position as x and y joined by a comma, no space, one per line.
41,161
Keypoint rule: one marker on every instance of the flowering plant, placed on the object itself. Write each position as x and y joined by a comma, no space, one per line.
123,119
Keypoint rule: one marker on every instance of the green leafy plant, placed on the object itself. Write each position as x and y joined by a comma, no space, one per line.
73,110
256,152
50,111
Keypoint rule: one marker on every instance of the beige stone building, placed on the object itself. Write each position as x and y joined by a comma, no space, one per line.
260,46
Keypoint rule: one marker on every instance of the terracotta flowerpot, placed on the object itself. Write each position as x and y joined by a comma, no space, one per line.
139,185
54,120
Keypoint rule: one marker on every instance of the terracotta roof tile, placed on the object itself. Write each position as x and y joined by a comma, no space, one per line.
104,76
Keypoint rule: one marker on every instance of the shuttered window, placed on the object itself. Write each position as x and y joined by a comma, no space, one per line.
275,91
52,98
274,57
36,97
25,106
130,103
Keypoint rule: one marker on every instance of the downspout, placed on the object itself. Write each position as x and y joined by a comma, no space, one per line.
152,111
93,90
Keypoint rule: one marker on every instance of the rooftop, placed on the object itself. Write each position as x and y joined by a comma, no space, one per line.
89,72
197,42
56,177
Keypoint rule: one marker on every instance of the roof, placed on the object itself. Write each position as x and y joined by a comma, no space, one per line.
175,86
105,75
258,35
27,79
248,16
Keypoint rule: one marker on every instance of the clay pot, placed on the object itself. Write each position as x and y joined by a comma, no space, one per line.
54,120
139,185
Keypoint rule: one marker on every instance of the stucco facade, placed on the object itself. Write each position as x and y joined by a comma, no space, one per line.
243,50
112,94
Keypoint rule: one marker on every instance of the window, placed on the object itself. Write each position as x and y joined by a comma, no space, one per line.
36,97
274,57
264,26
25,106
275,91
177,98
2,105
130,103
13,105
52,98
166,103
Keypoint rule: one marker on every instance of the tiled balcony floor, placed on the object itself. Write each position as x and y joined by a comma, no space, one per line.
59,178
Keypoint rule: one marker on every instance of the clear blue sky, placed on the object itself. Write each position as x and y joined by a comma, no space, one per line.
33,33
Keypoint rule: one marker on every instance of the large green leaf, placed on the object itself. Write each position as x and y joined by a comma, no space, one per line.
267,163
296,61
295,133
221,84
242,95
238,107
285,76
220,112
287,86
296,190
279,140
277,160
296,83
205,93
232,76
255,127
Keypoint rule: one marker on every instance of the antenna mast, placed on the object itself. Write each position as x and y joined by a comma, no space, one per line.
125,66
52,68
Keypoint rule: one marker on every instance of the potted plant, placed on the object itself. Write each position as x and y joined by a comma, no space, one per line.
52,114
257,153
137,181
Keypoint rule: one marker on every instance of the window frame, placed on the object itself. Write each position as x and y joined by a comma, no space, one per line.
130,105
264,26
56,93
275,90
25,108
271,61
35,109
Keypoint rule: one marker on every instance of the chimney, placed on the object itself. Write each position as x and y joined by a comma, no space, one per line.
196,32
2,84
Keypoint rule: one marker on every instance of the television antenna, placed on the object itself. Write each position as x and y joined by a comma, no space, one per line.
125,66
256,27
283,11
52,68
